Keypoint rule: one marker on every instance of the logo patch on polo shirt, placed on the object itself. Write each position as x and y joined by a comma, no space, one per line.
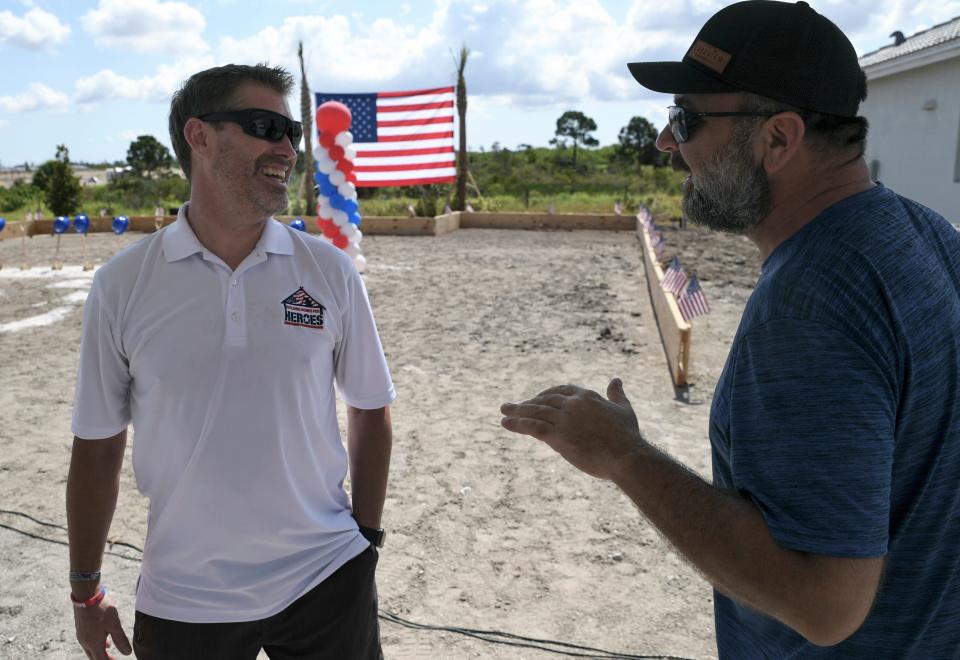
302,310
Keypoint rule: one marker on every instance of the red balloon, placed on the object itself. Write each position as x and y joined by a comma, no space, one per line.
333,117
352,177
331,231
326,139
340,241
336,152
345,166
322,223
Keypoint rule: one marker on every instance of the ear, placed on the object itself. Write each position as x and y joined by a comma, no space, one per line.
199,135
782,137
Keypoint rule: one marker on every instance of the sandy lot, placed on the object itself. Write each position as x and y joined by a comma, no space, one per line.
487,529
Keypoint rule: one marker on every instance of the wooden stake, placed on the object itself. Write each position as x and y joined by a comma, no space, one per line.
57,264
23,247
86,264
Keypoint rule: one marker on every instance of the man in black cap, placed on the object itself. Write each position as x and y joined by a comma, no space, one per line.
833,519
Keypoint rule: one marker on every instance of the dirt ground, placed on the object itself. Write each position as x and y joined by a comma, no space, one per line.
487,529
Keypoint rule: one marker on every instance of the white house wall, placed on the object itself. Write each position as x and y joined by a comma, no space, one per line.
917,149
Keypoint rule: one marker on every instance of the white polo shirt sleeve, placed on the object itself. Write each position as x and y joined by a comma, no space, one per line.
362,375
101,405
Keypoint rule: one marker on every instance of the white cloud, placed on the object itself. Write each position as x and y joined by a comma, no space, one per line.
37,30
4,123
107,85
37,97
344,52
146,26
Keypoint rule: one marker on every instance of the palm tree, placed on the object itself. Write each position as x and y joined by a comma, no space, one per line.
462,168
306,116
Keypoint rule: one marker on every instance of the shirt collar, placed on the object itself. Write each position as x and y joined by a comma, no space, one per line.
180,242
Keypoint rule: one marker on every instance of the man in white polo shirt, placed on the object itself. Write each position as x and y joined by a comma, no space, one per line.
221,338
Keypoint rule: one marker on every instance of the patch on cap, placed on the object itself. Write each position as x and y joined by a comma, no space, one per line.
709,56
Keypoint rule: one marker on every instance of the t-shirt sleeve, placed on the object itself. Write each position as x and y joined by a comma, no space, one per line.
101,405
363,377
812,420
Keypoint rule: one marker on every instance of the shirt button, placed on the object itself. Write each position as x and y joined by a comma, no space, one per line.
235,316
234,282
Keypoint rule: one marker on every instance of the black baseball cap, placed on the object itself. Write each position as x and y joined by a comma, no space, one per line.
781,50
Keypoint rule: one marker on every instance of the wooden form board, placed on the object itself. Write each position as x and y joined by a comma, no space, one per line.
674,331
557,221
401,225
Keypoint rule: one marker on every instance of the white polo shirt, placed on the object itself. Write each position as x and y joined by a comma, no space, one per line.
228,378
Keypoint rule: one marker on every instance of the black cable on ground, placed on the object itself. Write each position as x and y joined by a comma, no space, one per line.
510,639
490,636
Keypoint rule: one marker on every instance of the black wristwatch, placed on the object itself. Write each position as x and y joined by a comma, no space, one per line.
375,536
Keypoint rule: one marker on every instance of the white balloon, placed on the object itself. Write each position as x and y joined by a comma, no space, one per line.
318,152
326,211
347,190
358,237
327,167
344,139
352,249
337,177
350,153
340,218
349,230
360,263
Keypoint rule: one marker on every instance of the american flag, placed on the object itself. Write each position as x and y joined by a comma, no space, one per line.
658,242
674,279
401,138
692,302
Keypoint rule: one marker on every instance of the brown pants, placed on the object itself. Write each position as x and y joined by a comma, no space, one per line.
335,620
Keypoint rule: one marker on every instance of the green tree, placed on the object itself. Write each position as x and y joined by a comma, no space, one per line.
63,189
146,155
637,143
575,126
41,176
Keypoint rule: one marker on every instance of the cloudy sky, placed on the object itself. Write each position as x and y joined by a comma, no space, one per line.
95,74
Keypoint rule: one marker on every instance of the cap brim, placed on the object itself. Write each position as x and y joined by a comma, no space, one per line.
676,78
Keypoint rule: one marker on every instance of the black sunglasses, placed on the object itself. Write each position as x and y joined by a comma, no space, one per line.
263,124
681,120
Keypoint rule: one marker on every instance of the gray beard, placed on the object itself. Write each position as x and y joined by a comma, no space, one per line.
732,193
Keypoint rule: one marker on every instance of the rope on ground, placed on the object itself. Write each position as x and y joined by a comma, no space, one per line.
490,636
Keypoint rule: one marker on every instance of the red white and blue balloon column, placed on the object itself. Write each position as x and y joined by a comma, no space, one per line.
337,208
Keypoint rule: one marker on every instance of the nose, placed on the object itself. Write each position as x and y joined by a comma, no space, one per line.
285,149
665,141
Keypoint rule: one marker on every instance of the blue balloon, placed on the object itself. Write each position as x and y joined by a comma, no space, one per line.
120,224
3,223
81,223
61,224
350,206
354,218
297,223
327,189
320,177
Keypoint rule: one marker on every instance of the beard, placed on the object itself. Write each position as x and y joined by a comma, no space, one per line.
731,193
244,183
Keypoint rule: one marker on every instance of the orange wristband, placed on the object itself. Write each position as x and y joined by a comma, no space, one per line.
93,601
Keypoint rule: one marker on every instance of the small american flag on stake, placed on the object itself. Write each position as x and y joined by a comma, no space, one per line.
658,243
401,138
674,279
692,302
